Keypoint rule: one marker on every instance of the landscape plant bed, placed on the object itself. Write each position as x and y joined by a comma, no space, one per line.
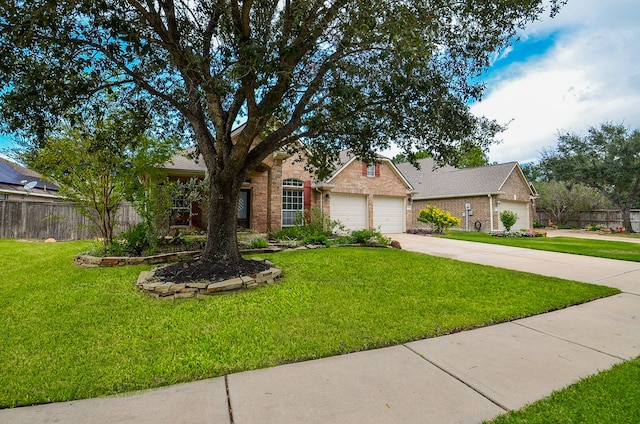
109,337
89,260
195,278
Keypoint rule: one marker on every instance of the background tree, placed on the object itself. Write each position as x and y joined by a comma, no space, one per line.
564,201
98,162
533,172
334,74
468,156
607,159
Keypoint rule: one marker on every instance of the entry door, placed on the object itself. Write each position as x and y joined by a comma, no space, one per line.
244,209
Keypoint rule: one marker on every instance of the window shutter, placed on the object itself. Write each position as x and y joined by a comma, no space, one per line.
377,169
364,169
307,195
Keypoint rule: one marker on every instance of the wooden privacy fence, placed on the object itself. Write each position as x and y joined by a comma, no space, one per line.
58,220
605,218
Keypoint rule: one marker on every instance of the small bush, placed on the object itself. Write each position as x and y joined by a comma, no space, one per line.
369,238
438,219
257,242
508,219
131,242
312,227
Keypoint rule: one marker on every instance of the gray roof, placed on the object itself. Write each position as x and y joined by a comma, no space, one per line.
183,165
13,178
447,181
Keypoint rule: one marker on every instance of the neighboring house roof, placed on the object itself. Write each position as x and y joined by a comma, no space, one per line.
448,182
15,179
346,157
182,164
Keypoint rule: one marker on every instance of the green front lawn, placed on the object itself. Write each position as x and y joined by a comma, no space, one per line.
70,333
622,250
608,397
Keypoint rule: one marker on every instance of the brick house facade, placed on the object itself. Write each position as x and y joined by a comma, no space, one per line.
282,188
487,190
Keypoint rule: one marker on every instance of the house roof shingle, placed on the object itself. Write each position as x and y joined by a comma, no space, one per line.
14,176
448,181
180,163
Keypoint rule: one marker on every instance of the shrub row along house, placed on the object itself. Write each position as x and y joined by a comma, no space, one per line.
380,195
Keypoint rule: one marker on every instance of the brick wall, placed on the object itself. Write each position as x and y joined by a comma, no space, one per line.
351,180
456,206
514,188
259,187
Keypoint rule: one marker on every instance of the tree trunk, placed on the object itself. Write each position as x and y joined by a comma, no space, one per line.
626,218
222,240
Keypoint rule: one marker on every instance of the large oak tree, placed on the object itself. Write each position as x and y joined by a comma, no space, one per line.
333,74
606,159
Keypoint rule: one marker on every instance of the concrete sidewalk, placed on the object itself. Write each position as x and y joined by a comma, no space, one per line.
461,378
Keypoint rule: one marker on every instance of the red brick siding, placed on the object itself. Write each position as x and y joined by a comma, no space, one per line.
352,181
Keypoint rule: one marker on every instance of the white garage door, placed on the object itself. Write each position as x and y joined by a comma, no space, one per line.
350,210
388,214
522,209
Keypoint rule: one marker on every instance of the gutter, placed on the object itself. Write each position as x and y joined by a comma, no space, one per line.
23,193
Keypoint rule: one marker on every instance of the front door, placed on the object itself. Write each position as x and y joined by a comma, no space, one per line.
244,209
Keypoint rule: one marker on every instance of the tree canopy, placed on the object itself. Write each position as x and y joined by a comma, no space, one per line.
468,156
607,159
334,74
99,162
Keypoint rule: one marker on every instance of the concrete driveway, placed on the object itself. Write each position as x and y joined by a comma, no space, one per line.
623,275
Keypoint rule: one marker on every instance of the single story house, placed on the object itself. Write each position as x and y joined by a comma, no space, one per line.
357,194
23,184
475,195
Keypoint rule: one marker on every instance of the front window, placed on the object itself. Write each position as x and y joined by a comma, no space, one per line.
292,201
180,211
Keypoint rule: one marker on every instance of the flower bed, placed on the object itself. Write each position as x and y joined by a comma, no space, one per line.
518,233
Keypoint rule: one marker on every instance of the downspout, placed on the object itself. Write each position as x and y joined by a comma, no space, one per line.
491,210
321,201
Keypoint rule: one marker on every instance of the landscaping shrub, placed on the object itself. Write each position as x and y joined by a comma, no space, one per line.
369,238
257,242
312,227
522,233
131,242
508,219
438,219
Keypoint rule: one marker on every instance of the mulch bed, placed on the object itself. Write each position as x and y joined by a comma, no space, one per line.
199,270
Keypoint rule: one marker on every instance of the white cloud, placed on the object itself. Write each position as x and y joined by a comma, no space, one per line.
589,76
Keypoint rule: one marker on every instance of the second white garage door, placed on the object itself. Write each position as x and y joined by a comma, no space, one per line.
520,208
388,214
350,210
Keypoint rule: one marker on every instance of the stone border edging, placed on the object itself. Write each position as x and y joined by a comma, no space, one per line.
89,261
170,290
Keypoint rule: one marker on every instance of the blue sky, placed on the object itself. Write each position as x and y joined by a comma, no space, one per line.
577,70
